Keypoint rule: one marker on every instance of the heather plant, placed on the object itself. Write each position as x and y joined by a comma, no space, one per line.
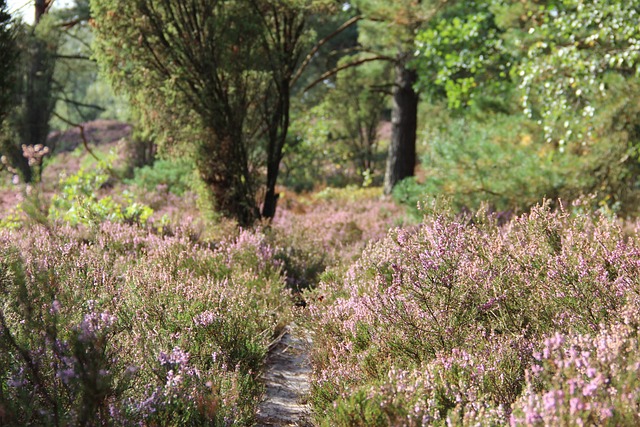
584,379
445,321
329,230
114,325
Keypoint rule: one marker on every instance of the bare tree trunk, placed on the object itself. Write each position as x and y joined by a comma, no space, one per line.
401,159
38,102
41,9
279,128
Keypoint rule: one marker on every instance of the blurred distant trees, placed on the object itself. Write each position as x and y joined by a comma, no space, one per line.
8,60
52,75
336,139
562,75
389,30
502,102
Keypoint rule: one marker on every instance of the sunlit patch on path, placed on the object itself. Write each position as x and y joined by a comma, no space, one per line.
286,379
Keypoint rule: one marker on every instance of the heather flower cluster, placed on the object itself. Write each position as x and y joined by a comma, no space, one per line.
466,322
114,325
329,231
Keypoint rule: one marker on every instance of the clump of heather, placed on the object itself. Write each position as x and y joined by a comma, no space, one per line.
448,322
314,235
117,326
585,379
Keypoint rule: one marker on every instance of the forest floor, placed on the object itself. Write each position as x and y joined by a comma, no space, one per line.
286,377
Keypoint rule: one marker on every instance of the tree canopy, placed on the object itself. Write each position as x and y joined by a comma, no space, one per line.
213,77
570,67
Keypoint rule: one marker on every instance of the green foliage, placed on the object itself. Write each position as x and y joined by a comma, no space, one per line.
501,160
78,202
579,78
571,48
349,116
336,142
392,26
83,94
461,51
230,102
569,66
307,155
175,176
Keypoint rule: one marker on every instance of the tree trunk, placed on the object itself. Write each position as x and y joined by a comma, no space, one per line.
223,166
271,197
401,159
38,100
279,127
39,103
41,9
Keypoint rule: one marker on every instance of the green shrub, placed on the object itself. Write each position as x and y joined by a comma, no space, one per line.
78,202
501,161
175,176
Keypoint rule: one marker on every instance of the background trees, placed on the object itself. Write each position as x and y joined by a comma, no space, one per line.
551,83
52,72
389,29
214,74
518,100
8,57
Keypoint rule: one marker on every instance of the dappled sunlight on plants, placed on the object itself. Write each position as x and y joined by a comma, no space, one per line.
116,325
453,321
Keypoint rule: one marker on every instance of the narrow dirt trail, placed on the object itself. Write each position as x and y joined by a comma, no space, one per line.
286,378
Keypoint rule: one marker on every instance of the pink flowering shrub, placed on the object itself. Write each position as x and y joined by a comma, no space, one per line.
329,231
117,326
448,322
585,379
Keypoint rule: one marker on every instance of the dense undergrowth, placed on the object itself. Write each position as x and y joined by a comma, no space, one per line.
118,326
116,319
113,315
461,321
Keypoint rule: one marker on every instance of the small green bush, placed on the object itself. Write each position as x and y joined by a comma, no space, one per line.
175,176
500,160
77,201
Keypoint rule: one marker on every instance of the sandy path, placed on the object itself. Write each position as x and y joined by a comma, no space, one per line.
286,379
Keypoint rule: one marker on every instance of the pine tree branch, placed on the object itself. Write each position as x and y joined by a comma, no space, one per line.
321,43
79,104
348,65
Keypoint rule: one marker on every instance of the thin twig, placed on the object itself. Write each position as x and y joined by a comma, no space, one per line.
82,134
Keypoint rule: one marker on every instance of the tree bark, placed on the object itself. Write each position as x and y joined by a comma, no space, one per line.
42,7
38,100
279,128
223,166
401,159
